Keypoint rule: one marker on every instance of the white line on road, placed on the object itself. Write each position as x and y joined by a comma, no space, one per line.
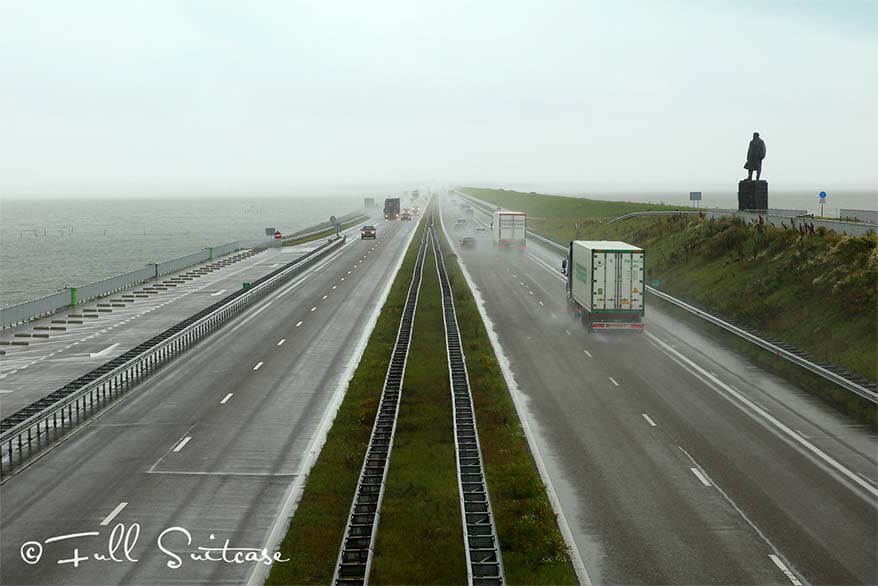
313,308
648,419
587,353
299,324
342,278
113,513
103,352
258,365
183,443
281,342
324,296
612,380
785,570
220,292
226,398
334,286
568,332
700,476
719,386
541,304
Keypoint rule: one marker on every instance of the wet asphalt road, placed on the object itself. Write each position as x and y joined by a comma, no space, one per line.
212,444
675,459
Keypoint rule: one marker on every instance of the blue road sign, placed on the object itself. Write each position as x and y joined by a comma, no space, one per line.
822,195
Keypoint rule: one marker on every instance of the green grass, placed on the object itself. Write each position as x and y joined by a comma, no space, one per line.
564,218
814,291
531,544
325,234
313,539
420,538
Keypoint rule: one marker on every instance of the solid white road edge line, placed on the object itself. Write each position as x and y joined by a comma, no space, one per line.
288,507
518,399
113,513
785,570
744,401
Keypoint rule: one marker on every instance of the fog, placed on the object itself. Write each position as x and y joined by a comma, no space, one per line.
166,98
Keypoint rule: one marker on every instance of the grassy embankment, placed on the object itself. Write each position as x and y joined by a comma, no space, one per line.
420,536
816,292
325,234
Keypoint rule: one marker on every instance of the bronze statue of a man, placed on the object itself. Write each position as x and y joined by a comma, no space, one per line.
755,154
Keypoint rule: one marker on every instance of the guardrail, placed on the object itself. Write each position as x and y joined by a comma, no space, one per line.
790,355
482,547
778,350
30,429
301,235
358,544
70,296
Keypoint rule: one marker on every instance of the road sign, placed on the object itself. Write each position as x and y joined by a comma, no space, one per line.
694,196
270,231
822,195
332,219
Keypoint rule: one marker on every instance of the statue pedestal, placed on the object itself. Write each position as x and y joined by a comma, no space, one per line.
753,195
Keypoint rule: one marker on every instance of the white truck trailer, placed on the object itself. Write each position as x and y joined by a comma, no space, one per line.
509,229
605,284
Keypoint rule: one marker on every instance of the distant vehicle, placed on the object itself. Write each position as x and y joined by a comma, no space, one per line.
406,216
468,211
509,229
604,284
468,242
416,194
368,202
481,228
391,208
460,224
368,232
417,211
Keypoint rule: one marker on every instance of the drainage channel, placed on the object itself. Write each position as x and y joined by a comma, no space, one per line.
355,555
484,562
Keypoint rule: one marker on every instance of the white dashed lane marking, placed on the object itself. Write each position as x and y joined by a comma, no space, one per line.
226,398
182,443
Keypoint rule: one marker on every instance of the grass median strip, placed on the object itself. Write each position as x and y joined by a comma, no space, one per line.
533,549
420,538
316,530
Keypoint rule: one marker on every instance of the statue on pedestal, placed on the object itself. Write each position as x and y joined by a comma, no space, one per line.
755,154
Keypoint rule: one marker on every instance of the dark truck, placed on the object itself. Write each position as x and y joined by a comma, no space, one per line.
391,208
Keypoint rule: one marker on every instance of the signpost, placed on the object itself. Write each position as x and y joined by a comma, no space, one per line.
334,222
695,196
822,201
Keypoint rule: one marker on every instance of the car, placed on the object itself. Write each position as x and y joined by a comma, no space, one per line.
481,228
405,216
468,242
368,232
460,224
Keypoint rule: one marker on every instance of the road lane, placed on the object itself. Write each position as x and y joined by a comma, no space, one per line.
768,496
242,437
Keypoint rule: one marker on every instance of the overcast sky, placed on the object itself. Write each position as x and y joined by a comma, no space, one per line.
123,96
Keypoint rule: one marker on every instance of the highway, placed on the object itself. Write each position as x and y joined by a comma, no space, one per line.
215,444
674,458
